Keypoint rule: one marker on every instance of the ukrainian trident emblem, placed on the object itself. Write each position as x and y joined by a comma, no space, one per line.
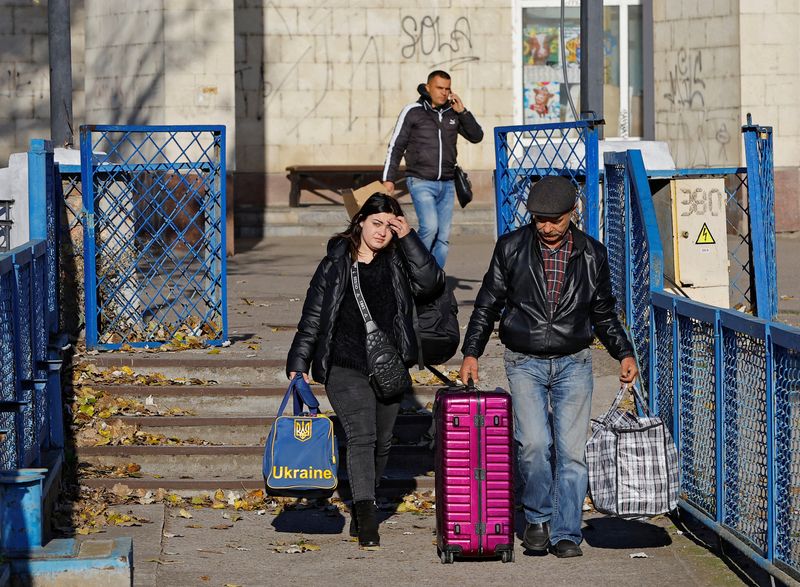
302,430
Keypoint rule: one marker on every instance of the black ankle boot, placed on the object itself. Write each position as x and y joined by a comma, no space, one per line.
353,522
367,515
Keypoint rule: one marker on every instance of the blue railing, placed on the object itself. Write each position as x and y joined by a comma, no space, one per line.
30,358
31,413
523,154
727,383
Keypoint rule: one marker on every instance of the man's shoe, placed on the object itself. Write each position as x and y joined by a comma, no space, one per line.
536,537
566,549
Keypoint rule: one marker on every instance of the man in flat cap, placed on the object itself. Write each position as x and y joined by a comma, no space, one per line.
550,286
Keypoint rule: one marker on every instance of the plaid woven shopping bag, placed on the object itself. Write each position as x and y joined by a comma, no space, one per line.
633,463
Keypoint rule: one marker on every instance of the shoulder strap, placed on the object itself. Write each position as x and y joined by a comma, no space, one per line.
362,303
420,357
444,378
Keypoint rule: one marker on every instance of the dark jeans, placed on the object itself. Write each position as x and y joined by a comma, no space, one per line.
368,425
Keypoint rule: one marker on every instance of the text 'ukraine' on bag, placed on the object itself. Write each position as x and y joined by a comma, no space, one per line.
301,455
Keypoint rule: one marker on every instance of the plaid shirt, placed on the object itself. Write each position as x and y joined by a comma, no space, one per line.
555,266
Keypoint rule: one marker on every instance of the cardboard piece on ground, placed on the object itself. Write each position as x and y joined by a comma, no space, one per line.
354,199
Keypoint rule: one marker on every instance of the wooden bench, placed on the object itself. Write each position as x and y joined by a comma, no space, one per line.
334,178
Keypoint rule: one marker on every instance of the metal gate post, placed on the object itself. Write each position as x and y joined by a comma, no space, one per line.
592,186
89,265
761,204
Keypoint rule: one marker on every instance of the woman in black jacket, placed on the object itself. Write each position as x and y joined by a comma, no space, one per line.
395,269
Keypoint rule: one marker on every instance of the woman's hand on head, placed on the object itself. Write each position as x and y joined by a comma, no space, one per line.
399,225
293,373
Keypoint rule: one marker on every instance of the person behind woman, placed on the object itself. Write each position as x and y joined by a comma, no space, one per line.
394,269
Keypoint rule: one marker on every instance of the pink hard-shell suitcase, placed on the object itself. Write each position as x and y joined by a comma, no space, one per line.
474,474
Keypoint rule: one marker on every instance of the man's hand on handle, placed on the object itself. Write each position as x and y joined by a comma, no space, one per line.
469,370
389,186
628,371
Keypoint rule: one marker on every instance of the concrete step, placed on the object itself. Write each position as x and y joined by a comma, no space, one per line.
393,483
238,430
223,400
227,371
200,365
192,461
68,562
327,219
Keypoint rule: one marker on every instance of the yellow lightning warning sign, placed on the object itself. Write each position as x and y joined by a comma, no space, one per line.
705,238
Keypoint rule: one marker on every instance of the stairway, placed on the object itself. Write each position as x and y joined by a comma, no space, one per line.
222,441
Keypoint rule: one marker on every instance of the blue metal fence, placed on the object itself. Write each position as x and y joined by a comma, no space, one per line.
154,245
726,382
730,386
30,361
71,279
523,154
744,235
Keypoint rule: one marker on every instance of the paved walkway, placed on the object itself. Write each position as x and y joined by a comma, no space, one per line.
267,282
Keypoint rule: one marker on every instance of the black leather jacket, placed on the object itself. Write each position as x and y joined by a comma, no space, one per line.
415,275
515,284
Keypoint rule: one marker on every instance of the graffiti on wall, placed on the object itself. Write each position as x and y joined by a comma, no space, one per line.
322,67
426,38
698,131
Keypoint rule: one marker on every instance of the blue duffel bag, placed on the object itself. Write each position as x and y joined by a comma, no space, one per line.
301,456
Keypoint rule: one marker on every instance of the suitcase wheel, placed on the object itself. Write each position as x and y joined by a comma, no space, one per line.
507,556
446,557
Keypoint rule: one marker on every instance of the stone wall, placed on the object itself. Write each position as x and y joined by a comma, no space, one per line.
24,73
714,63
770,81
323,82
697,91
770,72
159,62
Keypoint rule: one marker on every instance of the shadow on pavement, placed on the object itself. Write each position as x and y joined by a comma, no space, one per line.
608,532
309,521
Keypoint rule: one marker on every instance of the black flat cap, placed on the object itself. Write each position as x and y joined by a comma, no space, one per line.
552,195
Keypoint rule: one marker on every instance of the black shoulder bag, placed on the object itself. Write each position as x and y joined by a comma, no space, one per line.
463,187
387,371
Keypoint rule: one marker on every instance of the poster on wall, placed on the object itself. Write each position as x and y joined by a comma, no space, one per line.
542,102
540,45
572,45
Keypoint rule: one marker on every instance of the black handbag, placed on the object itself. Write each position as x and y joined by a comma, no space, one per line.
387,372
463,187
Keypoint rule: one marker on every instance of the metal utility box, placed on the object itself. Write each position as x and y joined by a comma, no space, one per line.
691,215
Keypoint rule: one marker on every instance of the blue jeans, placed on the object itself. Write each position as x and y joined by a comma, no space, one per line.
555,481
433,202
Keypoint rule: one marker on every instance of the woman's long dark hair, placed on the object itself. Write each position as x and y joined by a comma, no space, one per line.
375,204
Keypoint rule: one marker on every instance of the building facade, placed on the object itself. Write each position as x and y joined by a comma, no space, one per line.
322,82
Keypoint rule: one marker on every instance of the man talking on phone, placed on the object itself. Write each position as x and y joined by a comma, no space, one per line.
425,134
